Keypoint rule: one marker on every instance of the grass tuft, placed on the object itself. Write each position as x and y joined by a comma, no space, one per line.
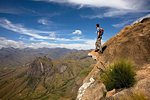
119,75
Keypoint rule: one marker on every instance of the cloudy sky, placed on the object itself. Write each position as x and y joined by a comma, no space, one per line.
65,23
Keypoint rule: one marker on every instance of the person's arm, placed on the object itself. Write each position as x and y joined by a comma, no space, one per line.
98,34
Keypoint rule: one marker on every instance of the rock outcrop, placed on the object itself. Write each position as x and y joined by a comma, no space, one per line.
61,67
132,43
142,19
39,65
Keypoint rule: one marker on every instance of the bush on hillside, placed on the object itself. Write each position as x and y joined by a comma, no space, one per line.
119,75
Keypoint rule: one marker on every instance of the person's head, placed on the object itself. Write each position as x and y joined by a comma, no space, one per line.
97,25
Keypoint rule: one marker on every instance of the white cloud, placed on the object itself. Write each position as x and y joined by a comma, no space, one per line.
20,29
112,8
69,46
11,43
33,33
53,35
117,4
88,44
113,13
44,21
77,32
108,13
31,39
59,42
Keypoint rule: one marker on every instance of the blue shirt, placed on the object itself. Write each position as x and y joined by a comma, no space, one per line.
98,30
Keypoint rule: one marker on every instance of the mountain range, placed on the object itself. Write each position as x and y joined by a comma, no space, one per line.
12,57
45,78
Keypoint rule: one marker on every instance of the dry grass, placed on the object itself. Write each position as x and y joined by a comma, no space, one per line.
134,96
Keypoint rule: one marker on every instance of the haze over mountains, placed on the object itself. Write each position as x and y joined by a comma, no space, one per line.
14,56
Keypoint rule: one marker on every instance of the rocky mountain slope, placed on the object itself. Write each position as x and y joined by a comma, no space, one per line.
46,79
12,57
131,43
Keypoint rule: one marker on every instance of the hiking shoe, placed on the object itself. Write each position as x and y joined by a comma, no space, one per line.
96,50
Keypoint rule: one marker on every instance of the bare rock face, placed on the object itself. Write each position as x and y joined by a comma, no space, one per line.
61,67
39,65
142,86
92,89
143,80
132,43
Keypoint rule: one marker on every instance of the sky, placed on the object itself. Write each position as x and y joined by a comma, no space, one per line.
65,23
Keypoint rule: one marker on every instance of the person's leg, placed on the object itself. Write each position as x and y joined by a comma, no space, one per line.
99,46
96,45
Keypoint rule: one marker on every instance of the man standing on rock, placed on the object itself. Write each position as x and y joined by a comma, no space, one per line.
100,32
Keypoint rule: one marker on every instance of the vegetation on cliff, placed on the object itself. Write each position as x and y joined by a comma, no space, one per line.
119,75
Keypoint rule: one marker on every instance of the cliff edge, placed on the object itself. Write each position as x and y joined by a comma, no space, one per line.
131,43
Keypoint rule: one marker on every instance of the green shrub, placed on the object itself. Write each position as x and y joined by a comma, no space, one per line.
119,75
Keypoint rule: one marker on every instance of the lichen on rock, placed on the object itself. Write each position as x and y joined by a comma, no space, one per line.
83,88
